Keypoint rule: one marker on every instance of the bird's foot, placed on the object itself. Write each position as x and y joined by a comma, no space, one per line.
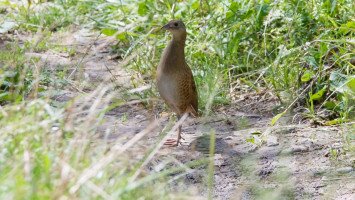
173,142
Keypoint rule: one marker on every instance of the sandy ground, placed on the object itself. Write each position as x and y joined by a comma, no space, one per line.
287,161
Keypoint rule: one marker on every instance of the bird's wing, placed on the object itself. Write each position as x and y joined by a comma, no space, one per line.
194,103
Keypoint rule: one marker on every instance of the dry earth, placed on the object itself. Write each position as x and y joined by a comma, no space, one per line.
287,161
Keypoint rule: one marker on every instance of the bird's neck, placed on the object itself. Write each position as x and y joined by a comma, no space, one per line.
179,39
177,44
174,54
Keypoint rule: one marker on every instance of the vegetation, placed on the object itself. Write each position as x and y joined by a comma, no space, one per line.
302,51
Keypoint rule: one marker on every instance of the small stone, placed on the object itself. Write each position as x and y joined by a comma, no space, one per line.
159,167
194,177
269,152
286,130
228,138
86,75
272,141
337,146
295,149
218,160
320,171
345,170
139,117
298,149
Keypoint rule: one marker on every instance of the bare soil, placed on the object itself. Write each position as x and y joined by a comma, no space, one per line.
292,160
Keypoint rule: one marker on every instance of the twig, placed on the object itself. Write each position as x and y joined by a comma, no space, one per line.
82,59
337,179
108,69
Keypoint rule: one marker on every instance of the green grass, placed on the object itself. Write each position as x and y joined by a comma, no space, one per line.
282,46
301,51
15,78
285,46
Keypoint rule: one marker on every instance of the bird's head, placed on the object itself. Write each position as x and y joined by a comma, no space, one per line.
176,27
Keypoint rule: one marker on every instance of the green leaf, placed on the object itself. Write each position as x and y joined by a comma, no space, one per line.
307,76
4,96
311,61
318,95
142,9
234,6
342,83
337,79
121,36
256,133
334,3
251,140
108,32
350,24
345,28
351,84
195,5
229,14
132,34
276,118
232,9
332,21
334,122
330,105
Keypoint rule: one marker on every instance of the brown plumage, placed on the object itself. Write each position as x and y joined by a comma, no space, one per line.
175,82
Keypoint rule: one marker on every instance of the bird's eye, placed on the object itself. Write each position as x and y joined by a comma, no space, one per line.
176,24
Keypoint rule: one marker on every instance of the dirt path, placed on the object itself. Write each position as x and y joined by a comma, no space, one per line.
288,161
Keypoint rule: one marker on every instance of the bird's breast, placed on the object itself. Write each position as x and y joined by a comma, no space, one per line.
167,87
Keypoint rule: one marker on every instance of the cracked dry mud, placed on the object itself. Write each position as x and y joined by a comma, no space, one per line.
287,161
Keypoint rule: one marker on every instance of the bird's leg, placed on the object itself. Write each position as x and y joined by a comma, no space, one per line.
173,142
179,132
179,136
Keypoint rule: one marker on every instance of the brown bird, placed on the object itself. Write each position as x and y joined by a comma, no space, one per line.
175,82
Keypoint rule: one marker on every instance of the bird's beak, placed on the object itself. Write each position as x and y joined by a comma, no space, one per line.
165,27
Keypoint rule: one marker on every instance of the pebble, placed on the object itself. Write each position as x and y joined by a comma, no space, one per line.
286,130
337,146
228,138
139,117
269,152
307,142
194,177
272,141
218,160
295,149
345,170
320,171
